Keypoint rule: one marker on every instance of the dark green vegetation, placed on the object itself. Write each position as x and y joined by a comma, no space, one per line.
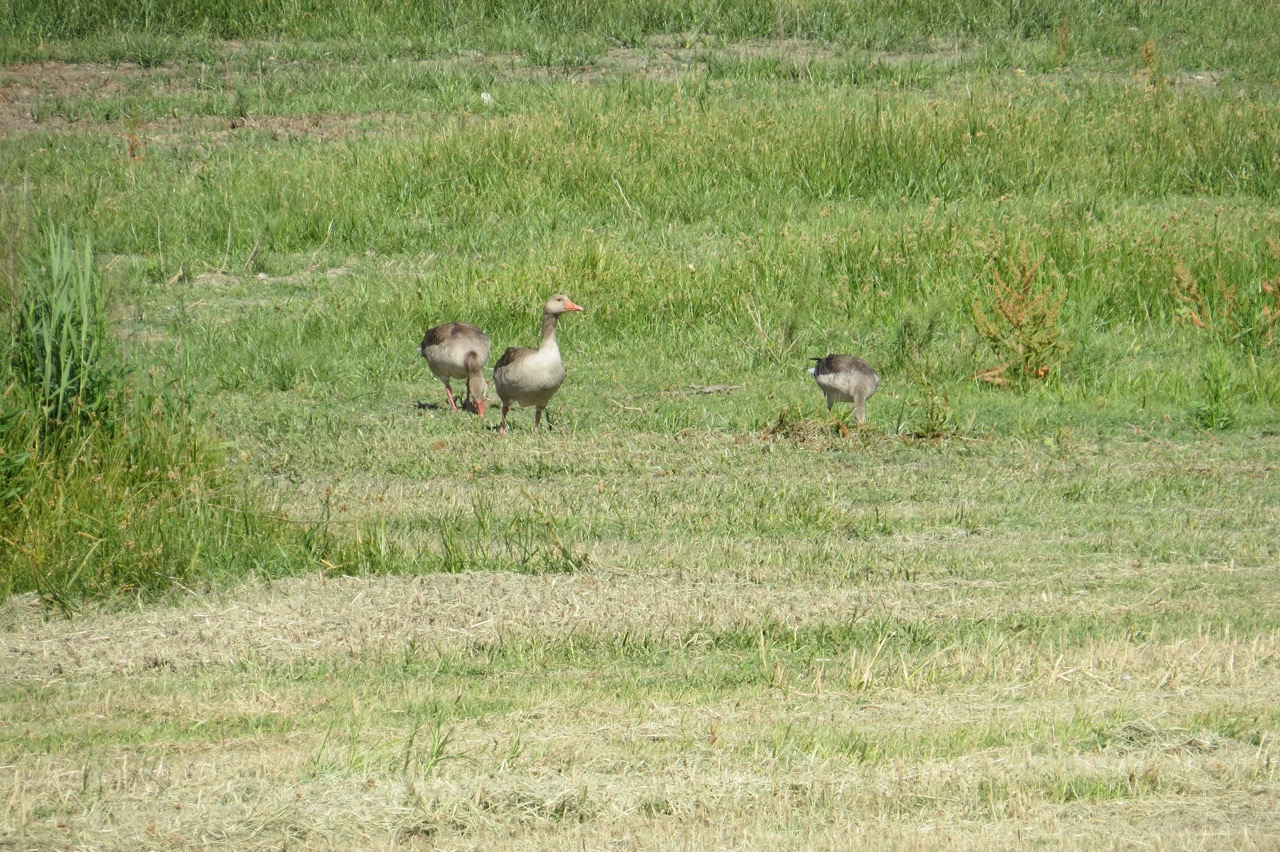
107,486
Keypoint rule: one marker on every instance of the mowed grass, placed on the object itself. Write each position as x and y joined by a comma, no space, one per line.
703,640
994,641
699,611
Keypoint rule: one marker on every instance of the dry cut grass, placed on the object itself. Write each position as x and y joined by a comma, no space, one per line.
1036,699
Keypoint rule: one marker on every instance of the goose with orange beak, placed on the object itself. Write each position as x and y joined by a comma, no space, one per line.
530,377
456,350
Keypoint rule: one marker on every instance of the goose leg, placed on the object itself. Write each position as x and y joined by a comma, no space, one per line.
453,406
537,419
502,427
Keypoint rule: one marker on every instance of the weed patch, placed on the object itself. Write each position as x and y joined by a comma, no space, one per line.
60,353
110,486
1021,323
1245,320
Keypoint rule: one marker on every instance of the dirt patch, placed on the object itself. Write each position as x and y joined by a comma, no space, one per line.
672,57
30,95
24,87
33,96
70,79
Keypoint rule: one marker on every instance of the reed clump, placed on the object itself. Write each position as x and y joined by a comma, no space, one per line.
108,483
60,357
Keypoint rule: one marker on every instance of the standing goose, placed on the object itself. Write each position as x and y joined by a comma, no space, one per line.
456,350
532,376
844,378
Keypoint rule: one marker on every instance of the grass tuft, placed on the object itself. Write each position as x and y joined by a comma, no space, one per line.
60,353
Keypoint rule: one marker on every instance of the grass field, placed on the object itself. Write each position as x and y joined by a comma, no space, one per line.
267,592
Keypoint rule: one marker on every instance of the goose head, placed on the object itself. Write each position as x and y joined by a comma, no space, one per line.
559,304
477,388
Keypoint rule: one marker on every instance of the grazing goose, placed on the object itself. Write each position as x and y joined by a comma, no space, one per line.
844,378
456,350
532,376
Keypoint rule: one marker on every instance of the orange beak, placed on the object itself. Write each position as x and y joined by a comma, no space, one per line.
569,305
480,407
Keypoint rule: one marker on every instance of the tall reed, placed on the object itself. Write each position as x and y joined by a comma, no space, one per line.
59,354
109,484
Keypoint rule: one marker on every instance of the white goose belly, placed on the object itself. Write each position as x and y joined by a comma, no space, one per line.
531,379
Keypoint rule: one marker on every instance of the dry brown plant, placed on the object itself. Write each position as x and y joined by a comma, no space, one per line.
1224,312
1150,54
136,147
1021,323
1271,313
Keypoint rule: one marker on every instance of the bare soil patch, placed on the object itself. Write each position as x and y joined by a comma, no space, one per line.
26,88
23,86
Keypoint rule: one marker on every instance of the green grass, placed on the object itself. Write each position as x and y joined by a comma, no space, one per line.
1235,35
312,608
660,205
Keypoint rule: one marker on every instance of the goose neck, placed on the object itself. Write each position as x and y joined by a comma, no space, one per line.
549,331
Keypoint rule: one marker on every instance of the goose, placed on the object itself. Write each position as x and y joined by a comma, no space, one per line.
527,377
457,350
844,378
